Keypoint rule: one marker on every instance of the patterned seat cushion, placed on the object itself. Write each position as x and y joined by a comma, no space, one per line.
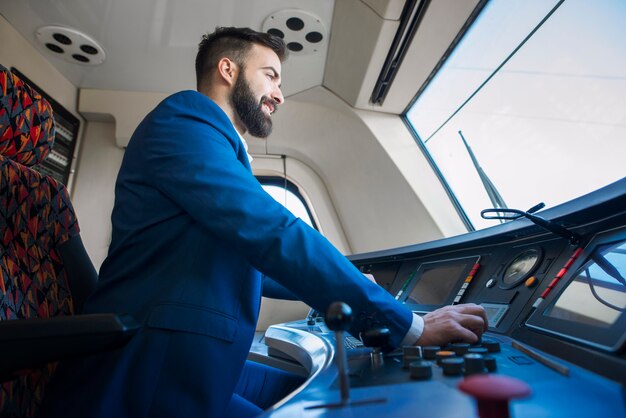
26,122
36,216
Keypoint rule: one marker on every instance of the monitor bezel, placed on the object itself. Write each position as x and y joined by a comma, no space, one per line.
610,338
422,267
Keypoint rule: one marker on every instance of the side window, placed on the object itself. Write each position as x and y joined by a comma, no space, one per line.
287,193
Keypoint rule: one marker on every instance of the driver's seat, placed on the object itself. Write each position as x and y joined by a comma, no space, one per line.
45,272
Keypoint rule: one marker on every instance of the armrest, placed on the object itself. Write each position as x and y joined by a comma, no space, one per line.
31,343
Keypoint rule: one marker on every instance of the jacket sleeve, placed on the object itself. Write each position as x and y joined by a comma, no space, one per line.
274,290
195,164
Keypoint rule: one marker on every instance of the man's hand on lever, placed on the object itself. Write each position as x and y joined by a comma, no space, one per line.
465,322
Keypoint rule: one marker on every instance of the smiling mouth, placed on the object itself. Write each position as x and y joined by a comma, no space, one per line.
269,105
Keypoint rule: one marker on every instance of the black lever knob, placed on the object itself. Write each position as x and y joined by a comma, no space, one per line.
376,337
338,319
338,316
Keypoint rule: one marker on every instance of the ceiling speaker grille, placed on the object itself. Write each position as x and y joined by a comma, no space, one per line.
71,45
303,32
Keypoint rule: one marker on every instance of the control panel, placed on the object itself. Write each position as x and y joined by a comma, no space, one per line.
556,344
498,373
500,279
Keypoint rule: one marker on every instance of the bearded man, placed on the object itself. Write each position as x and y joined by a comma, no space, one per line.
195,238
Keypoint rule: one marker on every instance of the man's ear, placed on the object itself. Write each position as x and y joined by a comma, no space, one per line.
227,70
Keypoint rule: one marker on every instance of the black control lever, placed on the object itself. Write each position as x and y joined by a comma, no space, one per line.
376,338
338,319
312,317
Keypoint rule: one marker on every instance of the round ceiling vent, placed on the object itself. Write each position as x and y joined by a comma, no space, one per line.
303,32
71,45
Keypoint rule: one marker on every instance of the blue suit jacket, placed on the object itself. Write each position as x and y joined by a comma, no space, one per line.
192,230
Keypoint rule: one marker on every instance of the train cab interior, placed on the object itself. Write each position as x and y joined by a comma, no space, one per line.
456,151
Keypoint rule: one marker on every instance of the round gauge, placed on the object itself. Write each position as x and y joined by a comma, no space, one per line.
520,268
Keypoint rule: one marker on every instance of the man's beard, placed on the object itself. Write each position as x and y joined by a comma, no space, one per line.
250,112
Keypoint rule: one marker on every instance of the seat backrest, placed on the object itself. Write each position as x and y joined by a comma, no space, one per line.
39,234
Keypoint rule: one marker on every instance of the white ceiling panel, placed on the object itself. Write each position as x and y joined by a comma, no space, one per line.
150,45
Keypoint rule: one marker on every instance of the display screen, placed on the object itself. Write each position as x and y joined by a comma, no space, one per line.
596,294
589,305
495,312
436,283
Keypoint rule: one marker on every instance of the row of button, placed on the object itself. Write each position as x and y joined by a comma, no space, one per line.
454,359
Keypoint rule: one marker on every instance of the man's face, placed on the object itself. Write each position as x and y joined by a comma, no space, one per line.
256,93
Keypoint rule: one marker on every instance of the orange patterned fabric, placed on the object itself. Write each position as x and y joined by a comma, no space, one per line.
26,122
36,216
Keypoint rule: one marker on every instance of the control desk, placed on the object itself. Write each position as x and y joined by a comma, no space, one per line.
557,324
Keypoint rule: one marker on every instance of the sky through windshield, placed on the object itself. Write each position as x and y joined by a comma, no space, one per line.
550,124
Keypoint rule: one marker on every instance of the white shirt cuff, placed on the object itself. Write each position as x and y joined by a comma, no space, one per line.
415,332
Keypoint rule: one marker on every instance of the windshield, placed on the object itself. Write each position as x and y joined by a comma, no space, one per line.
530,106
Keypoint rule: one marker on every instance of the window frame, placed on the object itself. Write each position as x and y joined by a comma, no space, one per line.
457,40
285,183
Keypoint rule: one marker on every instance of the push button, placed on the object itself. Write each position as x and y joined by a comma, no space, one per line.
411,350
420,370
430,352
490,363
452,366
478,350
492,346
474,364
444,354
459,348
531,281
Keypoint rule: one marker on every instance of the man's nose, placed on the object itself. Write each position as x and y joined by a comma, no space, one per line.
277,96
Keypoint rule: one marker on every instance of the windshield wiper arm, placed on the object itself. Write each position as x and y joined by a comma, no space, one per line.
495,197
512,214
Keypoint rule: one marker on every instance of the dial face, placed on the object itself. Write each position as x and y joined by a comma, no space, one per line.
520,268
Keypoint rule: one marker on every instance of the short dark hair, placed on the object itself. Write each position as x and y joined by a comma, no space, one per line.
233,43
